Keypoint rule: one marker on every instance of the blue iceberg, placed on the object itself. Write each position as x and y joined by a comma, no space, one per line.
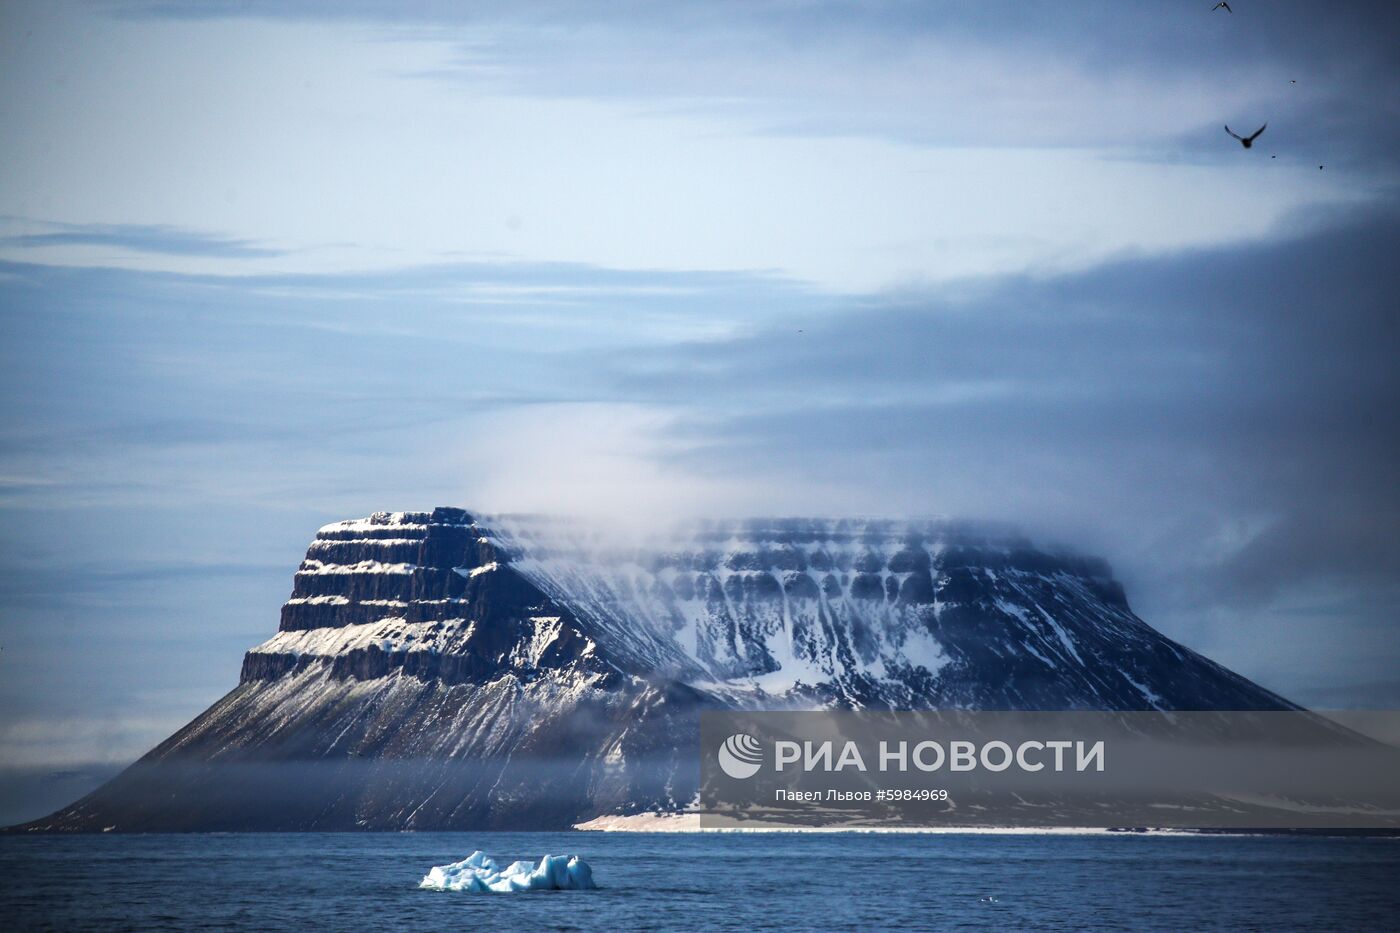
479,872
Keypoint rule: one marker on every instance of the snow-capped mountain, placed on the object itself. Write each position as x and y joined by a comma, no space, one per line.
444,670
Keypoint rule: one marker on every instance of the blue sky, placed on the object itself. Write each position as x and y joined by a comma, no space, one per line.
264,266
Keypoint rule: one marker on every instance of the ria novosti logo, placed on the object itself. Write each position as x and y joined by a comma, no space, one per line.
740,756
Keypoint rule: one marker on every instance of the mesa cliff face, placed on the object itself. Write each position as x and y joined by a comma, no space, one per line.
442,670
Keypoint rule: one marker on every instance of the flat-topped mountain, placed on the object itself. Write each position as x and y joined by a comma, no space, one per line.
439,670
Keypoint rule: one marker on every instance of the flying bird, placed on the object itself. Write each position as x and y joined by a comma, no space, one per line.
1246,141
1222,3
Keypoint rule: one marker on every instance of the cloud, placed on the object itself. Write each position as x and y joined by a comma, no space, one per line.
1218,422
1146,78
850,149
142,238
1258,372
610,463
1221,423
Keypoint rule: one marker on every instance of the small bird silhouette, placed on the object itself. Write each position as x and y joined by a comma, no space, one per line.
1222,3
1246,141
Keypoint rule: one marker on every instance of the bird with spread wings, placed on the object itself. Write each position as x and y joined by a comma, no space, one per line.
1246,141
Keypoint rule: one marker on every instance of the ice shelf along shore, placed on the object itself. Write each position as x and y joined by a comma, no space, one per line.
479,872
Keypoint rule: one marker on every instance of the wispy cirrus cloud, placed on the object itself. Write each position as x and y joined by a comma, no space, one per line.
161,239
1147,79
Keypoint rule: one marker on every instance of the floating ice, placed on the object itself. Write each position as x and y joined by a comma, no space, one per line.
479,872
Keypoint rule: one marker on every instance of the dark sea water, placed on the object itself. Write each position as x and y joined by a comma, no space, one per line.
711,882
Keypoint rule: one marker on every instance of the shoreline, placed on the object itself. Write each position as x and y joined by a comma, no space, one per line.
690,823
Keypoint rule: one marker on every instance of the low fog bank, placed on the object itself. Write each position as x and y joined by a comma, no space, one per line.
29,793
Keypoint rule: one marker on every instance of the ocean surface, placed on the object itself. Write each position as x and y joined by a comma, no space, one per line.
705,882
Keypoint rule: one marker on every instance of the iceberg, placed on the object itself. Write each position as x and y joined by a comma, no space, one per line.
479,872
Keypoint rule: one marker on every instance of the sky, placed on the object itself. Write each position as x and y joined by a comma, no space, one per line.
269,265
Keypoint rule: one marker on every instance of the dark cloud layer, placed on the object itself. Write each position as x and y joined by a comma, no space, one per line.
1250,387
